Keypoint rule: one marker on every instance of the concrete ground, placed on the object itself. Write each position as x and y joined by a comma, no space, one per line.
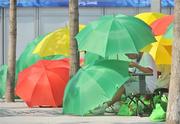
19,113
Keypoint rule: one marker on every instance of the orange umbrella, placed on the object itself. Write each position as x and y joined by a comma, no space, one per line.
43,83
159,27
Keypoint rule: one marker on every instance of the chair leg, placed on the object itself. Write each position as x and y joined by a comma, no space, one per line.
137,105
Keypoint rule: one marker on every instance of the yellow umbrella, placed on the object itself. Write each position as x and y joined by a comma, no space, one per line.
55,43
149,17
160,51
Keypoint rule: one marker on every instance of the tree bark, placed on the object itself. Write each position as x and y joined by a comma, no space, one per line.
11,53
173,111
74,29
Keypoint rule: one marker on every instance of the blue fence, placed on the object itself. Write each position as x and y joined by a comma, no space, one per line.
87,3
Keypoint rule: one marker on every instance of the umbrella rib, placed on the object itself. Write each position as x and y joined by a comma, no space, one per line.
94,80
107,38
51,89
35,87
45,71
130,36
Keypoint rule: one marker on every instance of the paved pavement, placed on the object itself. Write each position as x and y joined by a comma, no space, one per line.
19,113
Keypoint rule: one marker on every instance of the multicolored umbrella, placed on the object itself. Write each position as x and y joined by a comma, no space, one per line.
94,85
43,83
55,43
111,35
169,32
161,51
160,26
149,17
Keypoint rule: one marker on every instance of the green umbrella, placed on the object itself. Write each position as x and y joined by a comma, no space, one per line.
3,76
91,57
27,58
169,32
115,34
93,85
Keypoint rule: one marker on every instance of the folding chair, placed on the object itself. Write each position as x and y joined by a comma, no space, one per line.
143,92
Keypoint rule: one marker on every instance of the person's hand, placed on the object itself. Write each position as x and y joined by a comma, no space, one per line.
133,64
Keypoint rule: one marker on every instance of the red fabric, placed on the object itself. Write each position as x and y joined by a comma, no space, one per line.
43,83
159,27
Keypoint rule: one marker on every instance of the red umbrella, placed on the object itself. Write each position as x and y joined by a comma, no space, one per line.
159,27
43,83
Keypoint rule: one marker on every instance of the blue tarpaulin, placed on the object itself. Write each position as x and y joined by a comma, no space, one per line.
87,3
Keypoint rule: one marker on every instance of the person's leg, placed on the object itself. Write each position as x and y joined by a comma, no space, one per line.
102,108
117,96
127,88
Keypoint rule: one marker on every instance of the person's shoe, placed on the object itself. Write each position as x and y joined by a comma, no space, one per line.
112,110
99,110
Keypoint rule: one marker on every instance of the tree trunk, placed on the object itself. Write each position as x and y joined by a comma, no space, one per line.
11,53
74,29
173,111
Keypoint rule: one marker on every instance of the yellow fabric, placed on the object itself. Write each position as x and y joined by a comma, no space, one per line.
55,43
160,51
165,41
149,17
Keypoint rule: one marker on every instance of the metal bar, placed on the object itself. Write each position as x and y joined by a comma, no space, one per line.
104,11
2,38
142,81
142,84
37,22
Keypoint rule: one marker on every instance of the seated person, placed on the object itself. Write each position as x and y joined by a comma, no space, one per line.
145,64
164,76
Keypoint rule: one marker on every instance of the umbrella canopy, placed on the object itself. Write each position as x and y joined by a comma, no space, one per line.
169,32
160,26
3,76
94,85
55,43
149,17
161,51
43,83
111,35
91,57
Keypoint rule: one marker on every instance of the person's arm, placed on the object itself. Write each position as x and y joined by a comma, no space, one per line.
141,68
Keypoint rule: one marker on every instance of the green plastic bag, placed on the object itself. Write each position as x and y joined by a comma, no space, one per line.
129,107
3,75
158,114
127,110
